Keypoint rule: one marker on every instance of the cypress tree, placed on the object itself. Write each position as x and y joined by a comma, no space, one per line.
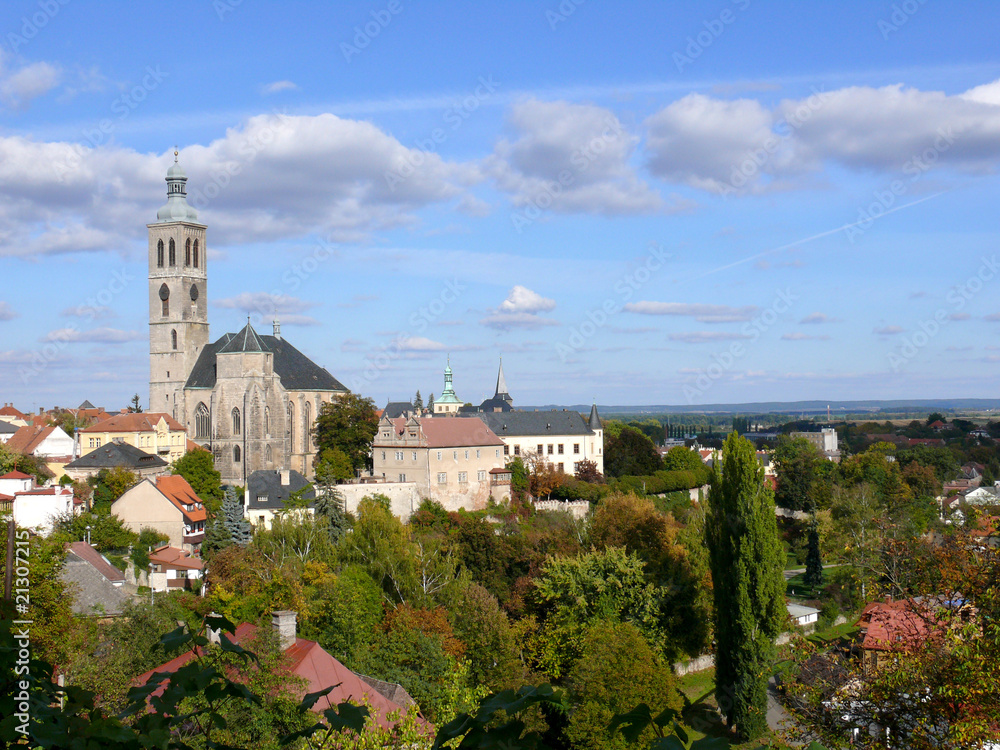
746,559
814,561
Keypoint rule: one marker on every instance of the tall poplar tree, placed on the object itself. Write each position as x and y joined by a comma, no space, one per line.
746,559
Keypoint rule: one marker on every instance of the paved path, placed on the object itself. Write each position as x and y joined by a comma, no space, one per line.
790,574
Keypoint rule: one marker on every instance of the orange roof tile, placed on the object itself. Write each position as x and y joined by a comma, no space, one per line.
8,410
139,422
172,557
451,432
16,475
27,438
179,492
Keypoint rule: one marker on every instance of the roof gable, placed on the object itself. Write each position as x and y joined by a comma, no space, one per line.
111,455
136,422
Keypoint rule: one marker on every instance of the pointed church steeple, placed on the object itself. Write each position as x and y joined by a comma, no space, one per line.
594,422
448,402
501,391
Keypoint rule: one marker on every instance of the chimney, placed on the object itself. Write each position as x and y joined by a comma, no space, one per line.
214,634
283,622
286,477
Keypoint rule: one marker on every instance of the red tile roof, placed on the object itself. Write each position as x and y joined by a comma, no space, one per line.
88,554
8,410
16,475
171,557
29,437
895,625
140,422
450,432
179,492
308,660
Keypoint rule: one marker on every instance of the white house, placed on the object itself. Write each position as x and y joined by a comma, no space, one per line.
33,507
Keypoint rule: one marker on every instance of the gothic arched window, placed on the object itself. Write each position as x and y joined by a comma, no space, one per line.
187,252
290,426
202,422
267,454
236,454
306,426
267,421
173,339
172,254
196,253
159,253
164,300
236,422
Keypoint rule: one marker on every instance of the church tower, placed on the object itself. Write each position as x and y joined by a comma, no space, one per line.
178,300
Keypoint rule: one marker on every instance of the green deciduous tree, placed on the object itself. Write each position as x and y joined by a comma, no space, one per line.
630,453
198,469
747,559
348,423
111,484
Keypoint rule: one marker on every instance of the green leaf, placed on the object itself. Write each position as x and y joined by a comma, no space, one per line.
668,743
347,716
310,699
633,723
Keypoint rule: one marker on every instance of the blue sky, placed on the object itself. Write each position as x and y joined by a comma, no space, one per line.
635,202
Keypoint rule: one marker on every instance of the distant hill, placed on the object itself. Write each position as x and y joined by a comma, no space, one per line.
791,407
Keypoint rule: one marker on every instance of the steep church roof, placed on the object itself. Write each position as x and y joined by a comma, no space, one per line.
246,341
501,392
594,422
296,370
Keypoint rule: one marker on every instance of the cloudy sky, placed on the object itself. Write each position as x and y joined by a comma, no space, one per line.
634,202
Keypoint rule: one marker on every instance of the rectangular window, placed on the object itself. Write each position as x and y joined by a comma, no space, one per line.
576,448
383,455
506,450
560,449
454,455
550,449
479,453
414,455
481,476
467,455
463,477
442,477
541,449
517,450
399,455
402,477
439,455
560,467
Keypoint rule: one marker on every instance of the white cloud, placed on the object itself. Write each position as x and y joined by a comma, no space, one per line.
522,299
888,330
419,344
817,318
97,335
20,87
803,337
569,158
700,312
278,86
265,303
505,321
275,177
705,337
6,311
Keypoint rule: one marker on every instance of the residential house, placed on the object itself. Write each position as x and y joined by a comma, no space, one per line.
982,496
33,507
307,660
803,616
270,492
169,506
173,568
825,441
152,432
562,438
11,415
98,588
889,629
449,459
7,431
115,455
48,443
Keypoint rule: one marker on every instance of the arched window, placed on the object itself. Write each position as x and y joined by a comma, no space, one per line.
159,253
290,426
164,300
267,421
306,426
173,339
172,255
267,454
202,422
187,252
236,454
196,253
236,422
